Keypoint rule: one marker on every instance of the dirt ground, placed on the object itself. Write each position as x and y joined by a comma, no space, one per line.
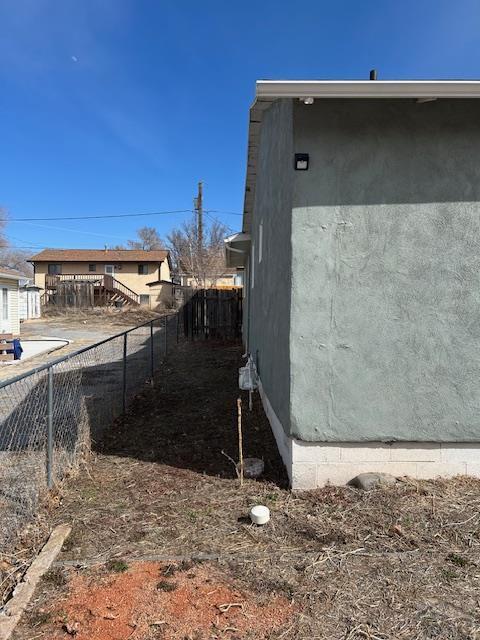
162,547
154,600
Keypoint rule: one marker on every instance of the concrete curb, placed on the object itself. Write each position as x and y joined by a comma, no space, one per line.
24,591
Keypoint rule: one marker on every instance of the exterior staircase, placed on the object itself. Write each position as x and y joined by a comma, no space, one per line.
118,292
107,289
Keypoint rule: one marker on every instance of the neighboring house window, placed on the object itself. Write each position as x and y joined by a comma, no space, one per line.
260,242
110,269
4,304
144,299
142,269
92,267
54,269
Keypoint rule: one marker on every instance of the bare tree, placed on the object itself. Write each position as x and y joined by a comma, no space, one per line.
9,256
203,261
148,239
3,222
16,259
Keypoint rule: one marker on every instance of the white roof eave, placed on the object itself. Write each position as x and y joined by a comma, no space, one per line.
368,89
237,237
9,276
237,247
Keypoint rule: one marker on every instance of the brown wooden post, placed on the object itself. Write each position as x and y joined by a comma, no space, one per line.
240,439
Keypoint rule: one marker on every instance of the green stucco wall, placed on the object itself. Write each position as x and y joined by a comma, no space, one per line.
267,304
385,308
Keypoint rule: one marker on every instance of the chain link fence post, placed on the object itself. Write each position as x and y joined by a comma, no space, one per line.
124,385
152,365
165,342
50,427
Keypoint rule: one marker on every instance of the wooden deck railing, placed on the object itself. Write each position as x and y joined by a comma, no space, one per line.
51,280
106,280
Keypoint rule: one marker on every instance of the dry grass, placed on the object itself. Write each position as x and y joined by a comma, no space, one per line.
400,562
112,315
15,561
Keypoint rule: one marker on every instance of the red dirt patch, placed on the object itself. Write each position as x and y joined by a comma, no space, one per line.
153,601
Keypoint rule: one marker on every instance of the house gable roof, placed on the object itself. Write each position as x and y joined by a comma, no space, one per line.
100,255
267,91
11,274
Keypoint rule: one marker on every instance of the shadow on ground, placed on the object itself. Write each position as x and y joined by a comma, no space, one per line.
189,419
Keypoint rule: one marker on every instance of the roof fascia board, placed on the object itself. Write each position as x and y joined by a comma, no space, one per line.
7,276
108,260
272,89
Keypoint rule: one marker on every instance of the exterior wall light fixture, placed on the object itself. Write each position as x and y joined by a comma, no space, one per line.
301,161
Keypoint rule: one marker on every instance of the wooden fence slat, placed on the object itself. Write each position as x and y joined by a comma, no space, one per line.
213,313
75,293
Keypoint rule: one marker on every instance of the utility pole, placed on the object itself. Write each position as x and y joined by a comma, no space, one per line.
198,206
199,211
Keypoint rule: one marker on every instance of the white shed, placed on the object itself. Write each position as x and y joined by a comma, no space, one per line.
9,301
29,300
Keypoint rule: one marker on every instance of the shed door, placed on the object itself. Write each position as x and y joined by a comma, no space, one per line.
6,325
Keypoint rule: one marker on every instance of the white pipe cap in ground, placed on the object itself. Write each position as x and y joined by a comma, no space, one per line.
259,514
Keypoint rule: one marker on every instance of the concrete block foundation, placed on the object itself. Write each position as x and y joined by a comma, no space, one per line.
311,465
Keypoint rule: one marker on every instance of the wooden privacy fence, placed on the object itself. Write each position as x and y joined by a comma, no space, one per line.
75,293
213,313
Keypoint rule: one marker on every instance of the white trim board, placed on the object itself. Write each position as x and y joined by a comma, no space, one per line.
284,443
275,89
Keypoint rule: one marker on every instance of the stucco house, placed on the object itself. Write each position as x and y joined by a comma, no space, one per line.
361,237
130,276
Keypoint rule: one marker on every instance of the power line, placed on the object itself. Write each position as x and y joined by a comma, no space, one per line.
33,221
219,222
119,215
105,234
226,213
33,244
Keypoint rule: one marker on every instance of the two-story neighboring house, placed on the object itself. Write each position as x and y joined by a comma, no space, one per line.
129,276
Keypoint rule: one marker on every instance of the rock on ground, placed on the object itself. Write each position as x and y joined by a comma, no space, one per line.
368,481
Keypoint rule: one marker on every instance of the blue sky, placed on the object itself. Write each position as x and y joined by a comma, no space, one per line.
121,106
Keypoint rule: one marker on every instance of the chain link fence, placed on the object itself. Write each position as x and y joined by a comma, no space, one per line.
50,415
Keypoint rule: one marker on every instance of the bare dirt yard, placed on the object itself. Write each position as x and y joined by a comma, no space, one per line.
162,547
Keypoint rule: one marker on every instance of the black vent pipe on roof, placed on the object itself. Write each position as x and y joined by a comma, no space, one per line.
373,74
